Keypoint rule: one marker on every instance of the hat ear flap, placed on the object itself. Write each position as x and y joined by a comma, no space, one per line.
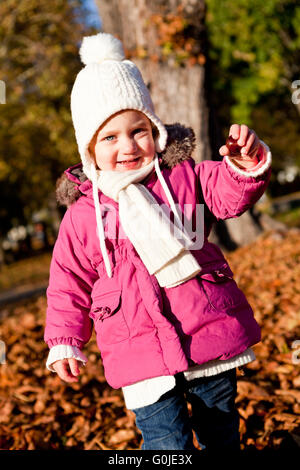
155,131
161,138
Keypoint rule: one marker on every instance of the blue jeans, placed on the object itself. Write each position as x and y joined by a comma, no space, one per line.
166,424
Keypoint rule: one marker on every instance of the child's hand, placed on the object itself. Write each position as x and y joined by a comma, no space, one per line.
67,369
249,143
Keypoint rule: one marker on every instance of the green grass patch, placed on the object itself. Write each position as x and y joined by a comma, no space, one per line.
290,218
31,271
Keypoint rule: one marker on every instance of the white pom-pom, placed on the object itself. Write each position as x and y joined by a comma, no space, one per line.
100,47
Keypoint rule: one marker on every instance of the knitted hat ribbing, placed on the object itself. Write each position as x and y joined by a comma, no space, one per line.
106,85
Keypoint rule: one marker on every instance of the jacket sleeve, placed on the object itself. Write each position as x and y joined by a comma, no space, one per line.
69,291
64,351
229,191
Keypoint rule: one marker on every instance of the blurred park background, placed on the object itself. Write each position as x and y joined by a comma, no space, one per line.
217,63
208,64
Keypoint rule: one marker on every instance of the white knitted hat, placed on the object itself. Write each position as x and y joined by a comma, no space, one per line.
106,85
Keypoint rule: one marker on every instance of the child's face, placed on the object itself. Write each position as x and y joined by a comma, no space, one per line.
125,137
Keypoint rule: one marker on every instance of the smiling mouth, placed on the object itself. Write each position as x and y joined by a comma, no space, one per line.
129,161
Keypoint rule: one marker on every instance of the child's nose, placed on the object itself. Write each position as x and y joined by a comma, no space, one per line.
129,145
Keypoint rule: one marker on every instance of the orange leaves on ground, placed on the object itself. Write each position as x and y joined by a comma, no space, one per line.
39,411
268,271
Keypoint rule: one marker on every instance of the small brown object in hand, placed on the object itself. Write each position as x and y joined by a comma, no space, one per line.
233,146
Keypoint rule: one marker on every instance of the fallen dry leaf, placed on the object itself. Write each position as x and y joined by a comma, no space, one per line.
39,411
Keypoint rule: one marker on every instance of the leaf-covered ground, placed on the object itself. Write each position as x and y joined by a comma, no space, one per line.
39,411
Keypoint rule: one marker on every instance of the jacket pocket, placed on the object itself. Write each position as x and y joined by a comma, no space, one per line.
107,313
221,290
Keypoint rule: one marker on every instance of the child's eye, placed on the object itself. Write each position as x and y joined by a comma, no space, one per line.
109,138
139,129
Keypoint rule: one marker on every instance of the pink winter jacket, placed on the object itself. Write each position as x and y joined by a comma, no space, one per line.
143,330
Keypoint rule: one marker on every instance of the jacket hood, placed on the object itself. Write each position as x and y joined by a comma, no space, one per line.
180,146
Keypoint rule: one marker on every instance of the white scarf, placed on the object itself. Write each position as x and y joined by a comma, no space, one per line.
161,245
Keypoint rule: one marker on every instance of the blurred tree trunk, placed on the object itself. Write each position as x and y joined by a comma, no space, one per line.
167,40
175,87
1,253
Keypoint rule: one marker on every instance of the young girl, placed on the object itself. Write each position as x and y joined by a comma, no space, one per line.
171,323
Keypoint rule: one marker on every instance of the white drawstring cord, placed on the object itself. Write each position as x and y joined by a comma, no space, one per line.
168,194
100,228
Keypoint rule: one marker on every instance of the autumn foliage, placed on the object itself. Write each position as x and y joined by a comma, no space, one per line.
39,411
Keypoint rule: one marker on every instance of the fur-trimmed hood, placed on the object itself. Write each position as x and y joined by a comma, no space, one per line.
180,146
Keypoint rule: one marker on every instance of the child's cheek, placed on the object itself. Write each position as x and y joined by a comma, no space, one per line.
150,146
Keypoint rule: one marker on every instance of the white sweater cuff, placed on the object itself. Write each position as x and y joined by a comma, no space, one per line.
259,169
64,351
